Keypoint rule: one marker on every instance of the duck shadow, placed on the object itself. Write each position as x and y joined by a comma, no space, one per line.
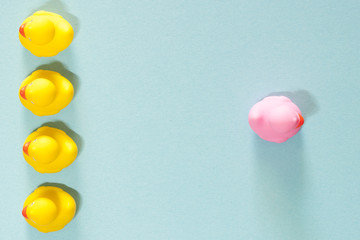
60,68
75,136
279,181
75,194
303,99
60,8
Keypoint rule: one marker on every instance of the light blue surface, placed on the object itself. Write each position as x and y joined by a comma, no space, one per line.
162,96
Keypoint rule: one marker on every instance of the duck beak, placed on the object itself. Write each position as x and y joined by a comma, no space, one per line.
22,92
301,121
26,148
22,30
24,212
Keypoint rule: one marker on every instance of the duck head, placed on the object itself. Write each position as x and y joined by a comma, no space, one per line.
40,30
44,149
284,119
41,211
40,92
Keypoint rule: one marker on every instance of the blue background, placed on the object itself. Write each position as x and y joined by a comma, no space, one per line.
163,89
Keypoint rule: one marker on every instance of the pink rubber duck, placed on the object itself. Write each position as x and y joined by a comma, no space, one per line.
275,119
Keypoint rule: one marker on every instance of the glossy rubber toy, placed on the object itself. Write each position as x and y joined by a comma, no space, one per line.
45,34
49,209
45,92
49,150
275,119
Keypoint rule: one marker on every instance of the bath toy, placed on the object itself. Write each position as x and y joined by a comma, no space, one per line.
45,34
49,150
49,209
275,119
45,92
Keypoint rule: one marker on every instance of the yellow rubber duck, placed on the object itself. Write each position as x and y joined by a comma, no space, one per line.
45,34
49,150
49,209
46,92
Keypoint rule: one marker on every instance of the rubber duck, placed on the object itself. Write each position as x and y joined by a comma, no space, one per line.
49,150
45,34
275,119
49,209
46,92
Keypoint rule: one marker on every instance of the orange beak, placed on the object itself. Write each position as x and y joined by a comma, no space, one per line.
24,212
22,30
26,148
22,92
301,122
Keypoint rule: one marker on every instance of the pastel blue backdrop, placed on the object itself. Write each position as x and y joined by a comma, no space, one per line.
163,89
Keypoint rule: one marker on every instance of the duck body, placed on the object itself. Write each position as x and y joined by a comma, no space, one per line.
49,209
275,119
45,34
46,92
49,150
